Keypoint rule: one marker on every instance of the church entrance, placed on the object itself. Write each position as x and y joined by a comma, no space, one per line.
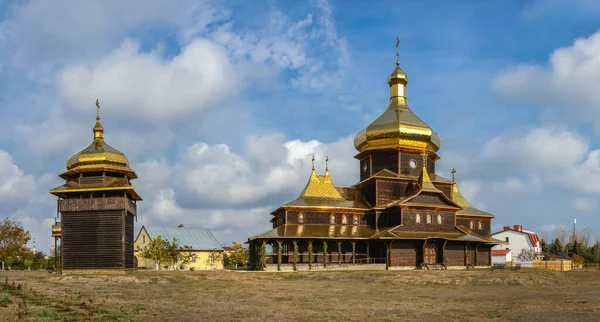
430,252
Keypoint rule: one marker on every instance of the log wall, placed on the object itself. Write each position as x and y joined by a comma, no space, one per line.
95,204
95,240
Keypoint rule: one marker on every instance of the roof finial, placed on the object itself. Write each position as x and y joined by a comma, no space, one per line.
453,172
98,129
326,164
313,162
397,50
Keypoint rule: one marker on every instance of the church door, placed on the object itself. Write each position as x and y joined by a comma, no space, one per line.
430,253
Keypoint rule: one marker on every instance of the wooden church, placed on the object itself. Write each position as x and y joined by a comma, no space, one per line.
97,206
400,212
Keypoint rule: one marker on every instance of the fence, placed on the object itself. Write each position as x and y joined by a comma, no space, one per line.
560,266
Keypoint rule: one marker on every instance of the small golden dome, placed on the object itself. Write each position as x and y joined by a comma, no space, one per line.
99,156
398,126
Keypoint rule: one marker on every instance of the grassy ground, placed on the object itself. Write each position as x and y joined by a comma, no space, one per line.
321,296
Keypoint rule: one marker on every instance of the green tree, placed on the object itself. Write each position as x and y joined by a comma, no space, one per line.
13,242
156,250
28,263
238,256
556,247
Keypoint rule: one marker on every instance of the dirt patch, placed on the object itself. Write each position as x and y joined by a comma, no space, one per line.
330,296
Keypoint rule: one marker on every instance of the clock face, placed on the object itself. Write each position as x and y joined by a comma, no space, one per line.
365,167
413,164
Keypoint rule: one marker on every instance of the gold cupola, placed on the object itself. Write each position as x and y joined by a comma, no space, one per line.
98,156
398,126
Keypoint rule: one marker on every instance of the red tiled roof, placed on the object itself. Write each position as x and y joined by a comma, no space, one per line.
228,248
534,239
500,251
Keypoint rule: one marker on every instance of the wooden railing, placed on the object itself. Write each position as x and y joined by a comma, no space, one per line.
97,204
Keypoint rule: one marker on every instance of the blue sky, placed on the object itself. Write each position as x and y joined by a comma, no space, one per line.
219,105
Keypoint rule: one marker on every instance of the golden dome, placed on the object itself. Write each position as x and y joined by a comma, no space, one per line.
398,126
98,156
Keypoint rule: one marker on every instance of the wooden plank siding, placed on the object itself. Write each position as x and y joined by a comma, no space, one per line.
92,240
94,204
406,253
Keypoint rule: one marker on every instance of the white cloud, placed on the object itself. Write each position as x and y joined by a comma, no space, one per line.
38,31
13,182
518,187
583,177
569,81
131,83
583,204
539,149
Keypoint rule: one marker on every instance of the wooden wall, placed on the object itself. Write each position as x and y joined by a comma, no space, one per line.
454,254
391,190
406,253
409,219
464,221
93,240
322,217
484,255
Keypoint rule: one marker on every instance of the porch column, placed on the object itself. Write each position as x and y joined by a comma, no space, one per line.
279,242
295,243
339,242
324,254
368,252
444,252
387,255
353,251
263,254
310,254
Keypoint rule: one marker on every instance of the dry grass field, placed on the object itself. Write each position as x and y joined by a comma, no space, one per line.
525,295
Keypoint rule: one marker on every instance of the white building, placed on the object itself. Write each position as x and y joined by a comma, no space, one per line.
518,239
501,256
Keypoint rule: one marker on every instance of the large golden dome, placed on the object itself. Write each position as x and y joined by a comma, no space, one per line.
398,126
98,156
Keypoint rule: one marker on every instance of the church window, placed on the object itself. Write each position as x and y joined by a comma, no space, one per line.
194,257
143,239
439,219
332,219
344,220
418,219
355,220
429,218
480,225
301,218
471,224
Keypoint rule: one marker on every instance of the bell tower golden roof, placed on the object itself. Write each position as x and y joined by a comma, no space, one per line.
398,126
98,155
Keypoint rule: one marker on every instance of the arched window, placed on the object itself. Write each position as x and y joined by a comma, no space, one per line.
143,239
332,219
344,220
439,219
429,218
355,220
301,218
480,225
418,219
471,224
